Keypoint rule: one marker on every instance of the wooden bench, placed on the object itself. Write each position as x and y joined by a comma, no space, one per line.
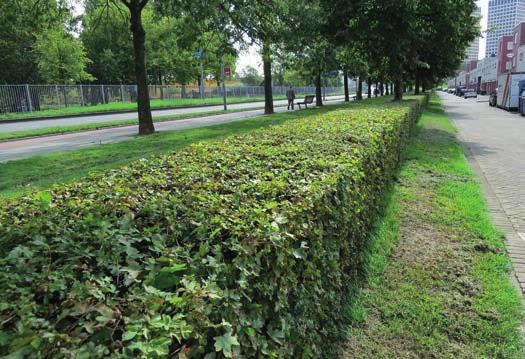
308,99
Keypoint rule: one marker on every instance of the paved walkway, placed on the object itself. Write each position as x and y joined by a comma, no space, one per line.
18,149
495,140
70,121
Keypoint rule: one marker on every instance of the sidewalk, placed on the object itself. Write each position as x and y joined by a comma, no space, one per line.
495,143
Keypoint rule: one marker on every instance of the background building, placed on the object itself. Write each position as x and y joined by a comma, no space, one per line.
503,16
473,50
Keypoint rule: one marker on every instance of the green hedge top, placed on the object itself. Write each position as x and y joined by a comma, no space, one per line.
238,248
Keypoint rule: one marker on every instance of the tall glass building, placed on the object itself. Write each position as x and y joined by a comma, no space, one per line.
503,16
473,50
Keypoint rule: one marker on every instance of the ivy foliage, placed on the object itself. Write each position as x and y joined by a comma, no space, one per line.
242,248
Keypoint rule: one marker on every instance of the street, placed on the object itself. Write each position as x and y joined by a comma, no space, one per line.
23,148
70,121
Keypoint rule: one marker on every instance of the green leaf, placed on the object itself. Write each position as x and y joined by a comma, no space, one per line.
225,342
129,335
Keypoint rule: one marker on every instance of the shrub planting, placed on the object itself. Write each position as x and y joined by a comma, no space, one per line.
244,247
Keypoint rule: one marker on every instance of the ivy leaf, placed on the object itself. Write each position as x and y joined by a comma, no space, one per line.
224,343
129,335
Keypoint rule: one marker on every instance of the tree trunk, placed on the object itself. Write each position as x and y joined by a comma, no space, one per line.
139,36
418,81
369,83
267,65
359,94
387,88
347,93
424,85
381,88
318,94
391,89
398,94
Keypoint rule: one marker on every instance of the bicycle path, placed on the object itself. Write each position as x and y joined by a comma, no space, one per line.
98,118
495,144
24,148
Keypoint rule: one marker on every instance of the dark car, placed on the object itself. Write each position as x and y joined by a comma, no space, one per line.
460,91
493,98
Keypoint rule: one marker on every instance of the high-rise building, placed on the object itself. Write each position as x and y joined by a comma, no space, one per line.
503,16
473,50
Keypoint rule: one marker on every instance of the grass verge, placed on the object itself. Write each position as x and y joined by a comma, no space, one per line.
95,126
437,274
128,106
124,106
17,177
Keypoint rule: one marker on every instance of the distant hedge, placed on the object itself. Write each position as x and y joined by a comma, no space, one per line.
240,248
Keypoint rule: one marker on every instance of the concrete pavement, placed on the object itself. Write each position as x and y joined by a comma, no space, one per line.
19,149
70,121
495,144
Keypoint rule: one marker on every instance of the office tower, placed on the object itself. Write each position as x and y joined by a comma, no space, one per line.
473,50
503,16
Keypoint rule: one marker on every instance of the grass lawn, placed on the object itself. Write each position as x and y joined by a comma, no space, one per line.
94,126
38,172
437,274
124,106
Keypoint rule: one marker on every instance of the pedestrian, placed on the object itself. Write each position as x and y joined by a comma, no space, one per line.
290,95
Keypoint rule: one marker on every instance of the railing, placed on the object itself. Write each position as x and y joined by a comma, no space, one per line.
30,98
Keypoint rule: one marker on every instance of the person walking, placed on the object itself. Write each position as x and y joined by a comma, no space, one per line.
290,95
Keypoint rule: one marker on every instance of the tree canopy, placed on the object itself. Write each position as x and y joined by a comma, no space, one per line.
154,42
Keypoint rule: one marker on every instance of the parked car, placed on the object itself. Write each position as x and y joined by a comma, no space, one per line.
493,98
470,93
459,91
451,90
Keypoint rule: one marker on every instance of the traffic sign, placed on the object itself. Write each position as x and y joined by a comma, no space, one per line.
227,72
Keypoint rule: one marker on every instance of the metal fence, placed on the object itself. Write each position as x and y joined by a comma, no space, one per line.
30,98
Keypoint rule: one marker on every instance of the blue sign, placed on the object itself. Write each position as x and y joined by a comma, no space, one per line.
199,54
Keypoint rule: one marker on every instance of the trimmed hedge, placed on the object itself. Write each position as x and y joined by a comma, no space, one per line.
240,248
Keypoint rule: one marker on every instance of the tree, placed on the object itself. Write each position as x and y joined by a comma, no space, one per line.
250,76
61,59
20,22
135,8
107,39
269,24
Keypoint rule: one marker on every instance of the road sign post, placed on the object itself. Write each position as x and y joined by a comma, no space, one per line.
223,75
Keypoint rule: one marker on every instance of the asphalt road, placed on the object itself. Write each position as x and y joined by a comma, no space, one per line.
23,148
71,121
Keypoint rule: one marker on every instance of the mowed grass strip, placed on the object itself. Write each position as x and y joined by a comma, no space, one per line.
125,106
438,277
40,172
96,126
156,104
